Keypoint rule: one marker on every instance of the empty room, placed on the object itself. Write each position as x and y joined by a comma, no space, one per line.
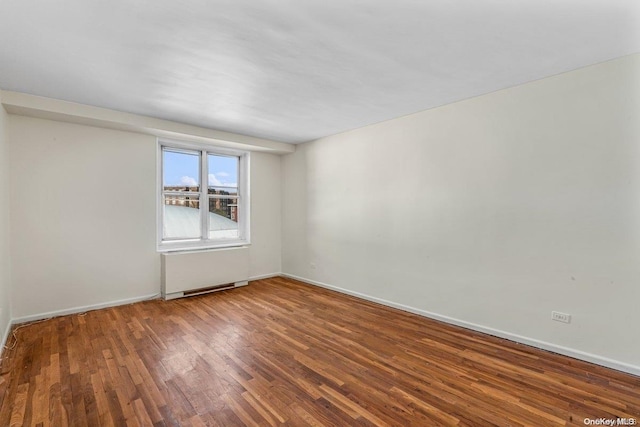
320,213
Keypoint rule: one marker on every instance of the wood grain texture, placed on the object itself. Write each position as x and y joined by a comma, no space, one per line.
279,352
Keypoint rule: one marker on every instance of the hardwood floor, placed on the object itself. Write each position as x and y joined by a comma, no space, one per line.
282,352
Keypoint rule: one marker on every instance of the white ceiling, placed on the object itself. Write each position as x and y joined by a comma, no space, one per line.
296,70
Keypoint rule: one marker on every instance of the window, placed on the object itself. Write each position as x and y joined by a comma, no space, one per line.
203,197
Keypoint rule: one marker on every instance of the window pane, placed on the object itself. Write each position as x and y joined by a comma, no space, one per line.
223,171
181,217
223,218
181,170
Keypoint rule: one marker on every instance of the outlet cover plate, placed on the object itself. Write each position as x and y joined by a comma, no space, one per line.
561,317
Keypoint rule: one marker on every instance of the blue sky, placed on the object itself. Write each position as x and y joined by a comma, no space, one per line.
183,169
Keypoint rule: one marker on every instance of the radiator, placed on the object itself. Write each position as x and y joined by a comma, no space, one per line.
198,272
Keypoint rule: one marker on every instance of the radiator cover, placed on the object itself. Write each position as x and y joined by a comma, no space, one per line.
196,272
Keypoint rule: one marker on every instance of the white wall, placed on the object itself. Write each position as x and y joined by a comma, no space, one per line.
490,212
5,264
83,216
266,202
83,204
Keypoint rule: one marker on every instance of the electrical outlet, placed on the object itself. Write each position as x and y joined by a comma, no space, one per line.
561,317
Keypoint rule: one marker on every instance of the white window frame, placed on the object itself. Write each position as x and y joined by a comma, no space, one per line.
203,242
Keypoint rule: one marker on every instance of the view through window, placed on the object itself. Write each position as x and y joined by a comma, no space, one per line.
204,214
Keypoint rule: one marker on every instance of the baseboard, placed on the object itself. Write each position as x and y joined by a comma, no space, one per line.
82,309
264,276
576,354
74,310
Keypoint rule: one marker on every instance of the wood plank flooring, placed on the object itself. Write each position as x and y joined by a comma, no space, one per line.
279,352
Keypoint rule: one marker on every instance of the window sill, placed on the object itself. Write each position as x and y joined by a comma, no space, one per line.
186,246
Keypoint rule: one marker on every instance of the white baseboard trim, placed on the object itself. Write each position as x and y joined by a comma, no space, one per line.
265,276
82,309
576,354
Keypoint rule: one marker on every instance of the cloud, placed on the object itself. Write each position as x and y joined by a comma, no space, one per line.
214,181
222,174
188,181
